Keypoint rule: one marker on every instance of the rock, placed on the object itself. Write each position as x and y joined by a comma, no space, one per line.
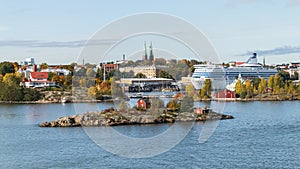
111,117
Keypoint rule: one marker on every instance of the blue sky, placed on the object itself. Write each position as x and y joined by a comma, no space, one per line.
54,31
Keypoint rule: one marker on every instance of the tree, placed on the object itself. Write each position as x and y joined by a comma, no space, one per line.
12,79
173,105
31,95
256,82
90,73
249,88
190,90
240,89
278,83
187,104
262,86
285,75
205,92
44,66
165,74
7,67
10,92
140,75
92,92
271,82
295,76
160,61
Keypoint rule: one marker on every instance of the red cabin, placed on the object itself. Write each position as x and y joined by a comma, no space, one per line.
143,104
225,94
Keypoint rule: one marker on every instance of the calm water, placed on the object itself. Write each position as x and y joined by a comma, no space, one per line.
262,135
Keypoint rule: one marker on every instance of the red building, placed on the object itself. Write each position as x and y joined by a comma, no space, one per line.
143,104
225,94
111,66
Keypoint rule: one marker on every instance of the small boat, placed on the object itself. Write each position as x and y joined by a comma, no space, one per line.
138,95
65,100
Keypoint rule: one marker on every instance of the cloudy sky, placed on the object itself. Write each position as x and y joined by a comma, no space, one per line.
55,31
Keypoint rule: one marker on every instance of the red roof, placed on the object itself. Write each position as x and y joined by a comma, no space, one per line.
39,75
239,63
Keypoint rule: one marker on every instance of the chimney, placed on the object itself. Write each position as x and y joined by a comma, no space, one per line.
34,68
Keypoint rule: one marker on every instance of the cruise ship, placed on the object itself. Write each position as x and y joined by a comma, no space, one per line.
221,76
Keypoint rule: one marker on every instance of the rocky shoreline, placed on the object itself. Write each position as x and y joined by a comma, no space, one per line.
111,117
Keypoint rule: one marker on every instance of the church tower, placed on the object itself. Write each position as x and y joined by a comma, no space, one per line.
145,57
151,56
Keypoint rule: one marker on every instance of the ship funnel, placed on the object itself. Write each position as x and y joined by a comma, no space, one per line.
252,59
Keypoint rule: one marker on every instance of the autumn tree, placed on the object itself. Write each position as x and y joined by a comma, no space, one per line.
44,66
249,88
262,86
240,89
205,92
90,73
271,82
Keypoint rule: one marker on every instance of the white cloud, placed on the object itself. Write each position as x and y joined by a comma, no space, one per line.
3,28
283,50
49,44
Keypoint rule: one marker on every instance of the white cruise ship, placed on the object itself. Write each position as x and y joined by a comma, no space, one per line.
222,76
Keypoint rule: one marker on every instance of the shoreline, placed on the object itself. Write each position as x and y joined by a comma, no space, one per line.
111,100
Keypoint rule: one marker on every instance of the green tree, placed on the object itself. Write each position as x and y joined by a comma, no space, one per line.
140,75
285,75
165,74
31,95
295,76
256,82
10,92
6,67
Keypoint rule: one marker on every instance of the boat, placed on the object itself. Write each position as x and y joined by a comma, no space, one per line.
250,69
137,95
222,76
65,100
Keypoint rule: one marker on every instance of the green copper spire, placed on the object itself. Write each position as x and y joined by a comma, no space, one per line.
151,56
146,55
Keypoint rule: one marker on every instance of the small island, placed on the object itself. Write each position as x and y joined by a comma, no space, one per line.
112,117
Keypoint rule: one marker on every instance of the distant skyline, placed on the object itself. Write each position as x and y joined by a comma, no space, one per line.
55,31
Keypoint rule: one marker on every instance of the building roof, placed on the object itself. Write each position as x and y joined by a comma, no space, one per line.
39,75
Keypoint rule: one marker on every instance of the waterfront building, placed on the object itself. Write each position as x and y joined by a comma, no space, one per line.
151,71
225,94
110,66
38,80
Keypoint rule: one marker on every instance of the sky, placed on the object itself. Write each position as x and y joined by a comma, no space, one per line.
55,31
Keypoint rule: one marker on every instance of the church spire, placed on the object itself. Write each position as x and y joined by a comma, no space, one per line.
145,55
151,56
